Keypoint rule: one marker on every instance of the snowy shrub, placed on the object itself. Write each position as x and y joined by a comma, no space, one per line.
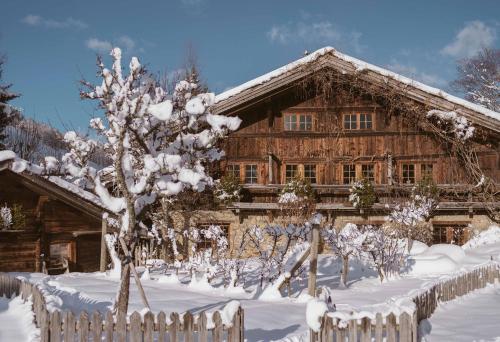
295,191
362,194
5,217
345,243
410,216
385,250
227,189
454,123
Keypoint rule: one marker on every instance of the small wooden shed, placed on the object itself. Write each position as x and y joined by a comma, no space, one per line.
61,228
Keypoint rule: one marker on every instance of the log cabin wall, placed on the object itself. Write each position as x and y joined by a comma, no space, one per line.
315,137
53,229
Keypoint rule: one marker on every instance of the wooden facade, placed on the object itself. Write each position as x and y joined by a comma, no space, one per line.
62,231
286,131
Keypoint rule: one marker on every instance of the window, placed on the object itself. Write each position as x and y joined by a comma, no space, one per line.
310,173
350,121
408,173
204,242
365,121
233,170
290,172
251,174
349,174
368,172
426,171
305,123
454,234
295,122
290,122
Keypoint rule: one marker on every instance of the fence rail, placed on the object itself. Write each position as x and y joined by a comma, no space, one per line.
60,326
404,328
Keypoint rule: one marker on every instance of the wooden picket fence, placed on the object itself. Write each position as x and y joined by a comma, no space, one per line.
64,326
405,327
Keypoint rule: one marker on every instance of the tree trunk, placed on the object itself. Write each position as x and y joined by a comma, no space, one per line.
121,305
345,270
313,261
381,274
410,244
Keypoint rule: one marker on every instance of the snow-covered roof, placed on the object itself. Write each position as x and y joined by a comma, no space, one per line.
23,167
359,66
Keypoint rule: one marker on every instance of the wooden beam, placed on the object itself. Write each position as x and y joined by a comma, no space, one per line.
313,261
104,257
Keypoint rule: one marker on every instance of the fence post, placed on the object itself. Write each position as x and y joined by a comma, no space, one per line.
405,327
202,327
149,326
379,332
391,327
55,326
135,327
162,326
109,327
188,327
96,326
44,325
217,332
69,327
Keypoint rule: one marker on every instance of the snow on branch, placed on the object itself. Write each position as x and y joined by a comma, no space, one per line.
458,125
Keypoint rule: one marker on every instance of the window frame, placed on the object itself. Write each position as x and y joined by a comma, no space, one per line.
372,167
403,171
424,174
256,176
314,169
230,170
365,121
358,122
352,170
295,125
296,172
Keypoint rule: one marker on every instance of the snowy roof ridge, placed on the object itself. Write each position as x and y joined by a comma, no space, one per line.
19,166
359,65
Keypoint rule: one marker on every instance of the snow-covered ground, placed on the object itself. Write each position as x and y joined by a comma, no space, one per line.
16,321
473,317
276,318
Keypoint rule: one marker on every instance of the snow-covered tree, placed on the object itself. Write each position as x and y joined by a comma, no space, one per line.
384,249
7,111
345,243
479,78
159,145
410,215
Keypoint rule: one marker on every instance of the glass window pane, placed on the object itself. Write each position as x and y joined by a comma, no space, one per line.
310,173
368,172
233,170
290,122
365,121
349,174
305,122
426,171
290,172
251,174
350,121
408,173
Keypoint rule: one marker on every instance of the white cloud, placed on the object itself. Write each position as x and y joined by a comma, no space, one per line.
474,36
322,31
412,72
102,46
37,20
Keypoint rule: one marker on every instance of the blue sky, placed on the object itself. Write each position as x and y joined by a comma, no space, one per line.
51,45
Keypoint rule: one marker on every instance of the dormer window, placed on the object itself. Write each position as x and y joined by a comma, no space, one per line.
298,122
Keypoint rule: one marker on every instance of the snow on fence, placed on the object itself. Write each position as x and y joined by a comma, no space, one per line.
391,328
60,326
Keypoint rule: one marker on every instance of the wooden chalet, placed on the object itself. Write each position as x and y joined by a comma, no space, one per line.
62,223
290,128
